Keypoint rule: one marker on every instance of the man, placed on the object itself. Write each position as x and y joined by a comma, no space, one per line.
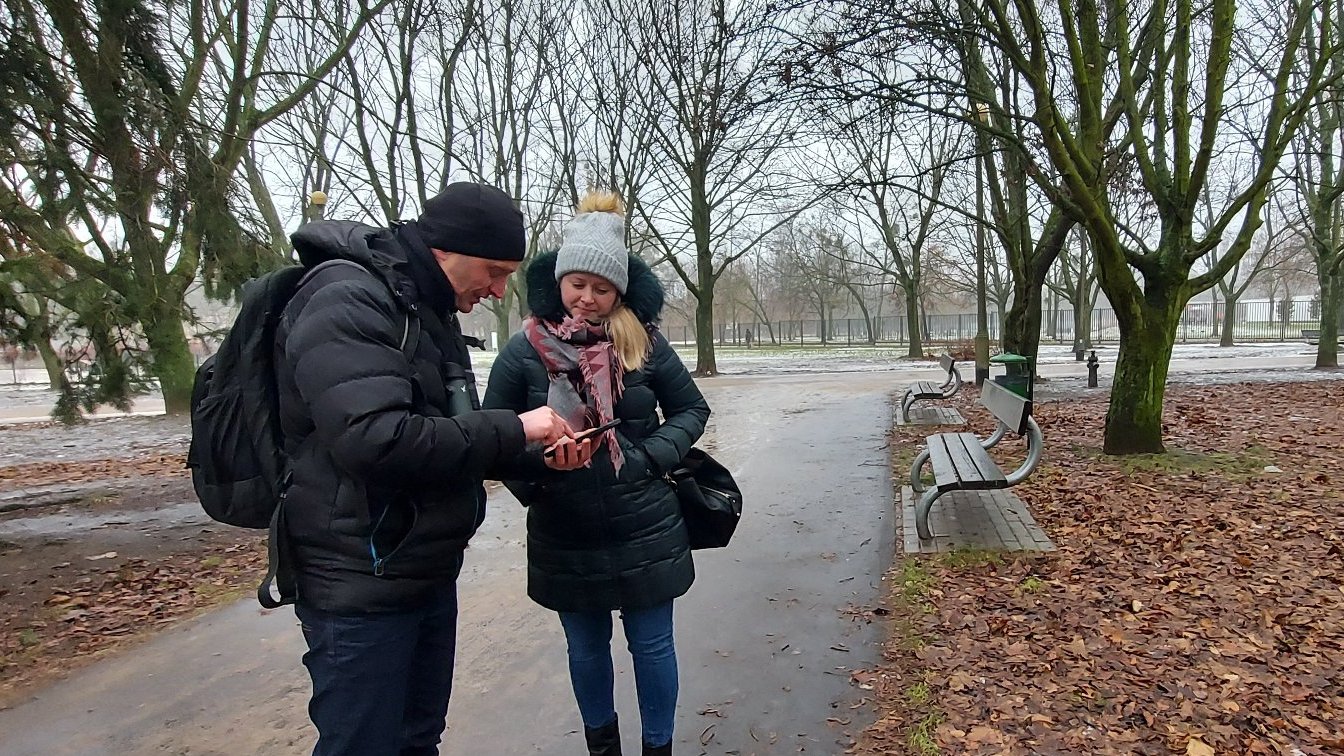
386,473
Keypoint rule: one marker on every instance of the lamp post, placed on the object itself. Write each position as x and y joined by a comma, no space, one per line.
981,293
317,205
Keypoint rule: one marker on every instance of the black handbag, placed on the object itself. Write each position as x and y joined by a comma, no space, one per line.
711,502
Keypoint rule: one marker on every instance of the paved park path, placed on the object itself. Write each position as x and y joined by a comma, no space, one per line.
766,638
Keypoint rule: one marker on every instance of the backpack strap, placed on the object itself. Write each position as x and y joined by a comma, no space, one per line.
410,333
410,336
280,586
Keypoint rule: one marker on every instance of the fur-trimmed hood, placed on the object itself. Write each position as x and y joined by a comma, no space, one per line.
643,295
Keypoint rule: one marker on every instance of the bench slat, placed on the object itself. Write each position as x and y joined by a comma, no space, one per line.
960,462
944,472
967,472
926,390
985,466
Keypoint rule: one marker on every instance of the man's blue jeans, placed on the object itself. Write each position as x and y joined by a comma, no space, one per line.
648,634
381,681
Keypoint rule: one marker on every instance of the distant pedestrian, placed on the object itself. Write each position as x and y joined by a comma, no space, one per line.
748,338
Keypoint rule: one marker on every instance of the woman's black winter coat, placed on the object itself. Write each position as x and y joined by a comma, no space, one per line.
597,540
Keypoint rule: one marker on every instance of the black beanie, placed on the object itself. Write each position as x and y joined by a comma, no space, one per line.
475,220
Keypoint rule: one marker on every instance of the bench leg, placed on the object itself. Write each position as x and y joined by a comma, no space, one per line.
915,483
922,508
906,402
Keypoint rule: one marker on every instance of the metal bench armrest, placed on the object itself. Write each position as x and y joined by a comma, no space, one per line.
952,385
1000,431
1035,451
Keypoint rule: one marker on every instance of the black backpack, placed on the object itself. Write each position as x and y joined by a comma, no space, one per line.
236,457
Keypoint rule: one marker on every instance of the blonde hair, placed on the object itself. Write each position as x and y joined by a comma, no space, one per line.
629,336
601,201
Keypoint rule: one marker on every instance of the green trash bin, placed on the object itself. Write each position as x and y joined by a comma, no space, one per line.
1018,375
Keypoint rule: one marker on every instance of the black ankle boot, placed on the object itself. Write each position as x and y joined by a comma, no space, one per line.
662,750
604,741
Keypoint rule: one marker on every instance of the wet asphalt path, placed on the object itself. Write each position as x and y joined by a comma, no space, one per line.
766,638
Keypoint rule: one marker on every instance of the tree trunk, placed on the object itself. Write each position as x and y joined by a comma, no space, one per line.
1052,329
1332,298
171,358
503,315
52,362
1084,303
867,319
1022,324
704,333
1229,321
1134,418
912,321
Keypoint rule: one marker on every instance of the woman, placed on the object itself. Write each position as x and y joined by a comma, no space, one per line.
604,531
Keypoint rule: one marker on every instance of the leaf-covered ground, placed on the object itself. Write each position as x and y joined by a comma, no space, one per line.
1195,604
105,576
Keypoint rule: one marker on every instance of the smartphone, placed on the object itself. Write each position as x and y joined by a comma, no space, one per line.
581,435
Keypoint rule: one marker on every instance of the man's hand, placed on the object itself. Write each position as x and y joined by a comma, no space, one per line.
542,425
569,454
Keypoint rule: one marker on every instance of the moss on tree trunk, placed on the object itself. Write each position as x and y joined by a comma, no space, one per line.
1134,418
171,361
1022,324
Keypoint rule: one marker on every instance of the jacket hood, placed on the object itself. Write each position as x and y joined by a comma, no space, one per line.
643,294
320,241
371,246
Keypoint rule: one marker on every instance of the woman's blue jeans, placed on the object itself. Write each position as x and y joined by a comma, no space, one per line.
648,634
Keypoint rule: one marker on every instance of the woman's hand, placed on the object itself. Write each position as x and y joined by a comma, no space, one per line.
568,454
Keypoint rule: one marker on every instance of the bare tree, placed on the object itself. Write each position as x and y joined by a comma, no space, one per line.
1258,259
930,57
1173,72
760,290
813,264
720,129
1320,180
897,185
519,60
1075,282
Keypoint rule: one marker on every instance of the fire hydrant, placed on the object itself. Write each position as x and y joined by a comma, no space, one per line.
1092,364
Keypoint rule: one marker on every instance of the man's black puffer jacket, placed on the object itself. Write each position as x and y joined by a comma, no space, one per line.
378,467
597,540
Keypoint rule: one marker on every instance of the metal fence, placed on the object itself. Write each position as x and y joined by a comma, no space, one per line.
1255,320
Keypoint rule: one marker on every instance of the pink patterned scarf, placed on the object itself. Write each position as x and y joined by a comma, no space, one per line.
585,373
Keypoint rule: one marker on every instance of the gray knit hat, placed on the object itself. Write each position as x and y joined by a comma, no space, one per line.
595,243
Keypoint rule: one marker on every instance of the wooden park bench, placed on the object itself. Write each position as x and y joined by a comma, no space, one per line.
961,461
1313,336
930,390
